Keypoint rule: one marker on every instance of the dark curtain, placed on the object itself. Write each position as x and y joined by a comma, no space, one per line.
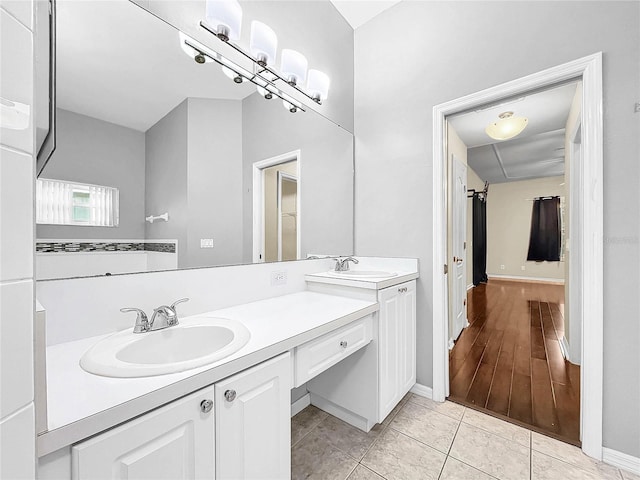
479,240
544,242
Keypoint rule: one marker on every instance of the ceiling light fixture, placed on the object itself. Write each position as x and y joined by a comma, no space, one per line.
507,127
233,75
224,18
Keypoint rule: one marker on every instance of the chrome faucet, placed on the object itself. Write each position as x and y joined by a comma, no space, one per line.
163,317
342,265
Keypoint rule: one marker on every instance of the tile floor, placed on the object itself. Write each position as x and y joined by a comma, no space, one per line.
422,439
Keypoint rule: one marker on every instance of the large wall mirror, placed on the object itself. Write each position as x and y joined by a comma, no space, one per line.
165,163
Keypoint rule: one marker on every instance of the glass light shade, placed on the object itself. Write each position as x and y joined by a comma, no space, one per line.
293,66
263,43
236,77
225,17
507,127
318,85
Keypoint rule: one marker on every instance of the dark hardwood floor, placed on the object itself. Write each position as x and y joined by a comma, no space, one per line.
508,362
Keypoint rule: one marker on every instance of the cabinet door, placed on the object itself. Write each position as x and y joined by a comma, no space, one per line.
389,316
173,442
407,337
253,421
396,345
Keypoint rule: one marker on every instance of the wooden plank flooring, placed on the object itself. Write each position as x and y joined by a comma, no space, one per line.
508,362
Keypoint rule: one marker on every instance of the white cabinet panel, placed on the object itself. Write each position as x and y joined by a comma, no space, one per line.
253,421
396,345
16,214
18,446
16,346
173,442
16,84
318,355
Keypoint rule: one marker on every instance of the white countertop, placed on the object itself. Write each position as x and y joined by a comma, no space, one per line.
81,404
372,283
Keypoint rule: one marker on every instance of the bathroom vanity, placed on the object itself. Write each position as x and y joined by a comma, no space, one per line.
351,342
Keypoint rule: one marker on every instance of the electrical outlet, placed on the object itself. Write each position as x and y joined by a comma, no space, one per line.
522,267
278,278
206,243
501,267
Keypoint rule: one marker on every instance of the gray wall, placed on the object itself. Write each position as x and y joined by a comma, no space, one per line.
166,178
214,139
89,150
326,172
445,50
313,27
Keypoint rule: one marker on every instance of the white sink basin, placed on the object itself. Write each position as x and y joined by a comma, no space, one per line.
356,274
193,343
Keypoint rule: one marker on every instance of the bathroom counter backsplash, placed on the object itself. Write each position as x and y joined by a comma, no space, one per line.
81,404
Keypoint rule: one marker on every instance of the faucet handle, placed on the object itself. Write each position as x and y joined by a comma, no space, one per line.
142,322
182,300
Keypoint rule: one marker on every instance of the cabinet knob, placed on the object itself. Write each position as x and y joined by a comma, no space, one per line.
230,395
343,344
206,405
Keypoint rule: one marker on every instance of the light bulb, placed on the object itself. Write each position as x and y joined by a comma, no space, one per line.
289,106
293,66
236,77
225,17
192,51
264,92
263,43
318,85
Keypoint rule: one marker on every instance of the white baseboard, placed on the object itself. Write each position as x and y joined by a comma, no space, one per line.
300,404
621,460
451,344
422,390
564,347
470,286
343,414
518,278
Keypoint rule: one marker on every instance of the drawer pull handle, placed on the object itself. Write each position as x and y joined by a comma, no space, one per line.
343,344
206,405
230,395
402,290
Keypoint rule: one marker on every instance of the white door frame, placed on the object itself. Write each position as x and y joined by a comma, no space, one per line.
589,69
291,178
258,200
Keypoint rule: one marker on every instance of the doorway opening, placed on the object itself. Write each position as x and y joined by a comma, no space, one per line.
586,247
276,208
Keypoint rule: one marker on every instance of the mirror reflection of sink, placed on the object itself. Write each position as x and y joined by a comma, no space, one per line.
193,343
355,274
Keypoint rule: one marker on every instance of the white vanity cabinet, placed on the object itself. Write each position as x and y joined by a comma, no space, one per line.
396,345
253,422
173,442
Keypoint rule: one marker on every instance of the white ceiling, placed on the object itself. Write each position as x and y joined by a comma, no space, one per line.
105,72
537,152
359,12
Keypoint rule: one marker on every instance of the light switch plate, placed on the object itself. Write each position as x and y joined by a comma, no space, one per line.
206,243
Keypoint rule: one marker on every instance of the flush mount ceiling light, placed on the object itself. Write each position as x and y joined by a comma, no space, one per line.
507,127
224,18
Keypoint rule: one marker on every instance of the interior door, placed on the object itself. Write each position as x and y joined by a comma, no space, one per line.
459,235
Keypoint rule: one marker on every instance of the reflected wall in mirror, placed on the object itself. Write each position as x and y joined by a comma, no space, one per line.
136,114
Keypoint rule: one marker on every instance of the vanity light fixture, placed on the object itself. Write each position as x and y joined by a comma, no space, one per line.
225,17
263,43
292,108
507,127
238,74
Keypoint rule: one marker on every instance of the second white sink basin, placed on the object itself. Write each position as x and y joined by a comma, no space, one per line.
193,343
355,274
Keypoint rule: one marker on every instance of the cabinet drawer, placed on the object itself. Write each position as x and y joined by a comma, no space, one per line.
316,356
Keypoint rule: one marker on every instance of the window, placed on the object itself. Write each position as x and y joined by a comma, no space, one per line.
66,203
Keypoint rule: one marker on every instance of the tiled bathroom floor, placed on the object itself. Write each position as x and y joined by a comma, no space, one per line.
424,440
